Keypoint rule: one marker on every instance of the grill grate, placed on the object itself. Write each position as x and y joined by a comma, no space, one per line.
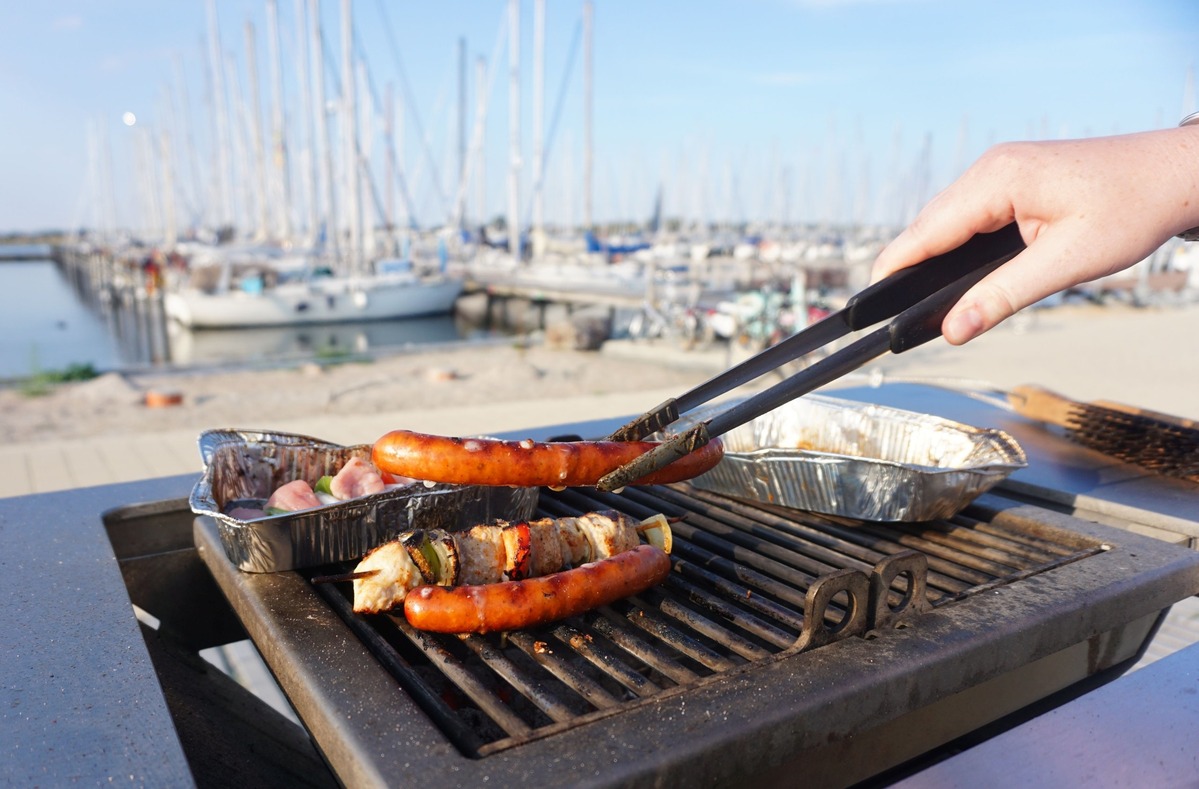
749,582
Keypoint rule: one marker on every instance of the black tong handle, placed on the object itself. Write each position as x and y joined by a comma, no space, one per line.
878,302
909,286
914,326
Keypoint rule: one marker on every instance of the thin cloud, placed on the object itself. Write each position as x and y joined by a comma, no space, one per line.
828,4
784,78
68,22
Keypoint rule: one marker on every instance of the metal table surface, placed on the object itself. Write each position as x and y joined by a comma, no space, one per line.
1139,731
81,702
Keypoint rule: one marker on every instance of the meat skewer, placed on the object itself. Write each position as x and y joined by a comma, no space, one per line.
495,552
514,605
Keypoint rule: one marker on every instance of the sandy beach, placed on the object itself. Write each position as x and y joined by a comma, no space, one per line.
1146,357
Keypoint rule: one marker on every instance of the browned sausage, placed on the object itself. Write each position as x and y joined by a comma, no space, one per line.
488,461
513,605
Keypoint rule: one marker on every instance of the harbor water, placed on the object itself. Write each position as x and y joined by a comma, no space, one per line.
48,325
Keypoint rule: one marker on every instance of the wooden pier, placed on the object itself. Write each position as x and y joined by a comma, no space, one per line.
10,255
126,291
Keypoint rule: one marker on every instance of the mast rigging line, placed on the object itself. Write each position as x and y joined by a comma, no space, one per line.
474,152
561,99
424,139
400,178
335,89
409,99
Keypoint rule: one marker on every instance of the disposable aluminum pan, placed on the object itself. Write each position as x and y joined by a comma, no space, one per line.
251,464
864,461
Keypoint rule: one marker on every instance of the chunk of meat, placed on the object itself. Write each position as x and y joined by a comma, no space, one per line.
481,554
356,478
296,495
395,576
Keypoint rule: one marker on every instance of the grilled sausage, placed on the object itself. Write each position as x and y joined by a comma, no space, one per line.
487,461
513,605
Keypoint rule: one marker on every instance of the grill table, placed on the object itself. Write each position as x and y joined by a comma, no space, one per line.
82,700
835,714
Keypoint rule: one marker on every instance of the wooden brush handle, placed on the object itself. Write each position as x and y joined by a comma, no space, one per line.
1158,415
1042,405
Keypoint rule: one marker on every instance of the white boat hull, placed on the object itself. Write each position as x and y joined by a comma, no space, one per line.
331,300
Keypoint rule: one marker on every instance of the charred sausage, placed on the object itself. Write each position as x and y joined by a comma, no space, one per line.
513,605
486,461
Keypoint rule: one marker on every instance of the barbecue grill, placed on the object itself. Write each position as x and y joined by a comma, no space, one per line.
784,645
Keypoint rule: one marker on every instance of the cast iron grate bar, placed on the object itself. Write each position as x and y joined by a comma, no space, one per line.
731,590
588,689
748,582
707,627
647,652
735,614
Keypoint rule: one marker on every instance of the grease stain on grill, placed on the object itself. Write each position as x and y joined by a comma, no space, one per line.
751,583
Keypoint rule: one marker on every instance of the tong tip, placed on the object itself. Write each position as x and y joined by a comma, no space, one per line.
657,458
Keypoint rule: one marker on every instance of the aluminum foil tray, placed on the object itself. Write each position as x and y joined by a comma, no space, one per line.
871,462
251,464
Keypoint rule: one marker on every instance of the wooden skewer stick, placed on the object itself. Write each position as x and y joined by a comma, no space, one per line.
332,579
652,523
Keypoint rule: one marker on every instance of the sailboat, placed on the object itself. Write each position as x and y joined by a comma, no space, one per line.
260,287
236,295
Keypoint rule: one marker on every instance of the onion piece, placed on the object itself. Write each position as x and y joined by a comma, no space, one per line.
656,530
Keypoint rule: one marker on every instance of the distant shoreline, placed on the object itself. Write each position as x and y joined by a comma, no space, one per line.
26,253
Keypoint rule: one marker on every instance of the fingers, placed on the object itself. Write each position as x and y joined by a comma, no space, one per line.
1051,264
977,202
943,225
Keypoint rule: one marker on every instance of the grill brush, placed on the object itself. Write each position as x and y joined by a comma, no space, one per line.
1158,442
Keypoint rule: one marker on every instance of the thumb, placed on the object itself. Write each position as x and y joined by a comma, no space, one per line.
984,307
1045,267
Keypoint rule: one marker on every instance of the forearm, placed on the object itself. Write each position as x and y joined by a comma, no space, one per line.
1085,208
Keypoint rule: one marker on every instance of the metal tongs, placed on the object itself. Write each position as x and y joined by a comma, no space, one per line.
916,298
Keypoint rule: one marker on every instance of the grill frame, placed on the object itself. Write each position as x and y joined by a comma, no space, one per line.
839,711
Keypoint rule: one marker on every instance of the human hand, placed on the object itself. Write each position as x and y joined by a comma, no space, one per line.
1085,209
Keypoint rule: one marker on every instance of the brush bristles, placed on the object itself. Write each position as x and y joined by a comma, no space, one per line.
1153,444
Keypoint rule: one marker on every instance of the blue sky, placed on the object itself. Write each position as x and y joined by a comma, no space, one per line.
820,110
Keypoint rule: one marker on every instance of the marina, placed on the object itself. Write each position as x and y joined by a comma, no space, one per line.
328,221
109,310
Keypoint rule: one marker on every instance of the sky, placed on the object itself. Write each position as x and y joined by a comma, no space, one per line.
760,110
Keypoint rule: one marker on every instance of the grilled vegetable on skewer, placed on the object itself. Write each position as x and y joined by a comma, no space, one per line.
491,553
535,601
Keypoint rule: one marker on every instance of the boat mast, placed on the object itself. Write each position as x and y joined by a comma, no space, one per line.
514,129
257,144
242,142
480,153
461,121
538,234
401,169
308,114
365,147
169,223
220,117
281,193
322,127
199,207
588,12
350,119
389,178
